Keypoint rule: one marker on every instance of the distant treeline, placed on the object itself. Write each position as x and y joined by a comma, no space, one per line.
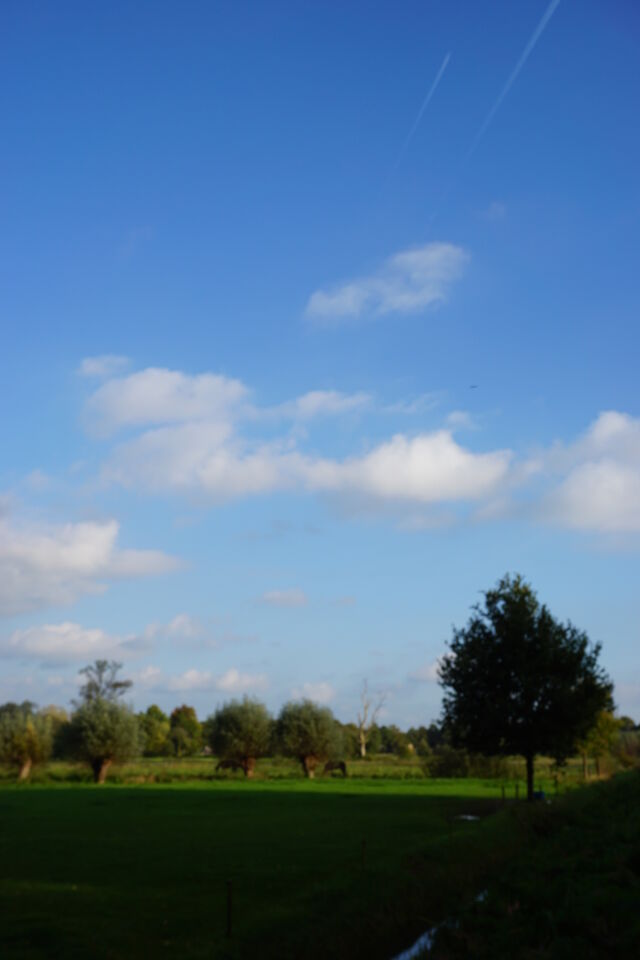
102,730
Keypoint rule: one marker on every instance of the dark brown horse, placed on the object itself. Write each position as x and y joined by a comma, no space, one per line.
335,765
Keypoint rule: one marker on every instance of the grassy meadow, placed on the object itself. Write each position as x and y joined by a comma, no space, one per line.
330,868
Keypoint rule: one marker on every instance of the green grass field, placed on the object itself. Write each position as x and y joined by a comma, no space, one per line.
331,868
315,867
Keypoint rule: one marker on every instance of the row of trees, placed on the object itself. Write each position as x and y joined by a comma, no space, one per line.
515,680
103,730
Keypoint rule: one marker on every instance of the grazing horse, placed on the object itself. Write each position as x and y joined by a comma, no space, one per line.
335,765
229,765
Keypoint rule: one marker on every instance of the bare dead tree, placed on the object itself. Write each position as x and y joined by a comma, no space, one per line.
370,707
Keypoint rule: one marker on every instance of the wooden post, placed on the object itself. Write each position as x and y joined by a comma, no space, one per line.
229,905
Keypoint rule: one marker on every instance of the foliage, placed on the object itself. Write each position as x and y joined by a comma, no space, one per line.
601,738
309,733
25,736
155,729
185,731
418,737
241,731
516,681
447,762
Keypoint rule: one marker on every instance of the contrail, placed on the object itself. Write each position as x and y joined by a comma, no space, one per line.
549,12
425,104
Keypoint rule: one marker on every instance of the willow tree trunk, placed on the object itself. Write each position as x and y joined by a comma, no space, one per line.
25,769
100,770
530,762
249,766
309,765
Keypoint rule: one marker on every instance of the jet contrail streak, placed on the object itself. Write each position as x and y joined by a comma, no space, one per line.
549,12
425,104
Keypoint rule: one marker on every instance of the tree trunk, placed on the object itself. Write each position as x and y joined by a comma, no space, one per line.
530,761
309,765
249,766
100,770
363,744
25,769
584,766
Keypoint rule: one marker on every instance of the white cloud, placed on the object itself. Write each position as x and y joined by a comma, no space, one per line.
192,459
428,673
320,403
285,598
233,681
408,282
318,692
54,565
600,490
181,627
157,395
106,365
192,680
60,643
424,469
460,420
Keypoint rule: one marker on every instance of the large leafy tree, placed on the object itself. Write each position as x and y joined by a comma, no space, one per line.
240,732
185,731
155,728
25,737
516,681
309,733
103,730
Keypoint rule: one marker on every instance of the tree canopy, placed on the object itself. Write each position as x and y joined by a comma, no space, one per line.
102,682
185,731
155,727
25,736
516,681
309,733
240,732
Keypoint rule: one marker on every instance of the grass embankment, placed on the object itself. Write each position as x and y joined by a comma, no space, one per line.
574,891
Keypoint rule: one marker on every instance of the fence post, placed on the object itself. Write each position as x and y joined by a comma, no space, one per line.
229,905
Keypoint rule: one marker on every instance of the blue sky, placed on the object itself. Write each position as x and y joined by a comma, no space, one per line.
317,319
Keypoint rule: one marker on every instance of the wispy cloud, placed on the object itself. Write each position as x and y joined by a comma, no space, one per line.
106,365
285,598
407,282
535,36
494,212
318,403
319,692
233,681
425,104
